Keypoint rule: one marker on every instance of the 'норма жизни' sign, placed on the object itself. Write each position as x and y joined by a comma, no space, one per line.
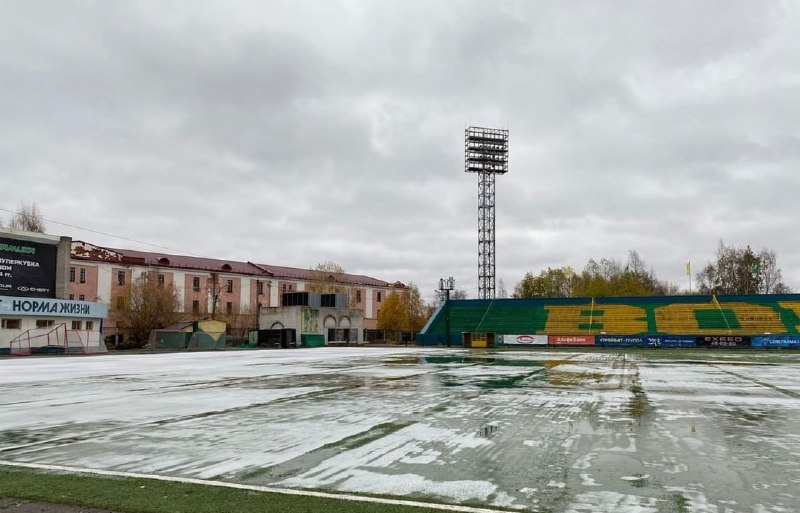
44,307
27,269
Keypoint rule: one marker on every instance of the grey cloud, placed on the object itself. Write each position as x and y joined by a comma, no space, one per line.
291,133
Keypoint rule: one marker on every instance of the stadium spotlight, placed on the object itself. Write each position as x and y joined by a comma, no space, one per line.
486,153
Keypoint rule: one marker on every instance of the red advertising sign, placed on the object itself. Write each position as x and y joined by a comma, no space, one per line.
570,340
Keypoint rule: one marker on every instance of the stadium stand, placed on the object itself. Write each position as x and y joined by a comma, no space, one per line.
754,315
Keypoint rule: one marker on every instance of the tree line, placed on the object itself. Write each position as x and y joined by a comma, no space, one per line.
735,270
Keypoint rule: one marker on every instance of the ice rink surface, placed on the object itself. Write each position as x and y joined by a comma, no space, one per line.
541,431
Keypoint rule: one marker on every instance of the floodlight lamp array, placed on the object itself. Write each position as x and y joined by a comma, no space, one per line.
485,150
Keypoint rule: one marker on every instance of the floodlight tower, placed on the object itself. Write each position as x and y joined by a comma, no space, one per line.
486,153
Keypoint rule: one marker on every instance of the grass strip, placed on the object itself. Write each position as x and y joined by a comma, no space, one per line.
139,495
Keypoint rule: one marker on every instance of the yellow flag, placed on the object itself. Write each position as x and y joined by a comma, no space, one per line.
688,268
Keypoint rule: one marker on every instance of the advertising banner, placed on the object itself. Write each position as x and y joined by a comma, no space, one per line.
27,269
644,341
786,342
671,341
723,341
570,340
524,340
52,307
620,341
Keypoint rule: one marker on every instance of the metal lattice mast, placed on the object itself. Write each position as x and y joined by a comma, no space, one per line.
486,153
486,241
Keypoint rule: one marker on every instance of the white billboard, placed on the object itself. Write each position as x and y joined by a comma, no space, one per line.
525,340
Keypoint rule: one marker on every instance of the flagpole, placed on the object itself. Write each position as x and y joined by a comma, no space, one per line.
689,273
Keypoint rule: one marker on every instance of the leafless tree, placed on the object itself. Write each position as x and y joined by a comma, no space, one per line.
502,292
146,305
742,271
27,218
459,294
325,280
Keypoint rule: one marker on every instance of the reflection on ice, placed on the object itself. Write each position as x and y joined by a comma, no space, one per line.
539,430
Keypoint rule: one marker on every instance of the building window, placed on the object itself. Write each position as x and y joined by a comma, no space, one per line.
379,296
11,324
81,298
76,325
160,279
83,275
44,323
283,288
228,308
195,306
358,296
89,325
196,283
259,287
229,286
72,297
121,277
72,275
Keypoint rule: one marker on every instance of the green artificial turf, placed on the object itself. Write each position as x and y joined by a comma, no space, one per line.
133,495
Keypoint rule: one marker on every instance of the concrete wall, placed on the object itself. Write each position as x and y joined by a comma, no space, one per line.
63,255
291,317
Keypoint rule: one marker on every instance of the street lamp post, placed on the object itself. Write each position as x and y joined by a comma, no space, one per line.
445,286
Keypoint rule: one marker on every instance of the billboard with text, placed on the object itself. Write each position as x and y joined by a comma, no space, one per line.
570,340
525,340
27,269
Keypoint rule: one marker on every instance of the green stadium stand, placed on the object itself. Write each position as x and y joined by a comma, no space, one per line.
664,315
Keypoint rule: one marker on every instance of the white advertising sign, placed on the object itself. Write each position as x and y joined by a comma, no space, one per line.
525,340
51,307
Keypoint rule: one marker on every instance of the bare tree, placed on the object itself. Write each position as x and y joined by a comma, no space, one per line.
742,271
459,294
771,274
146,305
27,218
214,289
502,292
240,321
326,280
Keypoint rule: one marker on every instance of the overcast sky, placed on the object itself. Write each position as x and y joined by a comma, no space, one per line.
295,132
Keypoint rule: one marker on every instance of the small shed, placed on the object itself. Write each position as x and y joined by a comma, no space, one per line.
208,334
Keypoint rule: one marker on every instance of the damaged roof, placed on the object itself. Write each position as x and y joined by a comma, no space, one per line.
85,251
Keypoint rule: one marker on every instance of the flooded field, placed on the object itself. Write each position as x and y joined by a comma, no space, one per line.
662,431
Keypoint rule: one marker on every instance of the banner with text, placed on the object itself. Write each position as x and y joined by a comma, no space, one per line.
780,342
41,307
620,341
723,341
644,341
27,269
570,340
524,340
671,341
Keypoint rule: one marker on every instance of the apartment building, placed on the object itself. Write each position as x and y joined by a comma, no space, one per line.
208,286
